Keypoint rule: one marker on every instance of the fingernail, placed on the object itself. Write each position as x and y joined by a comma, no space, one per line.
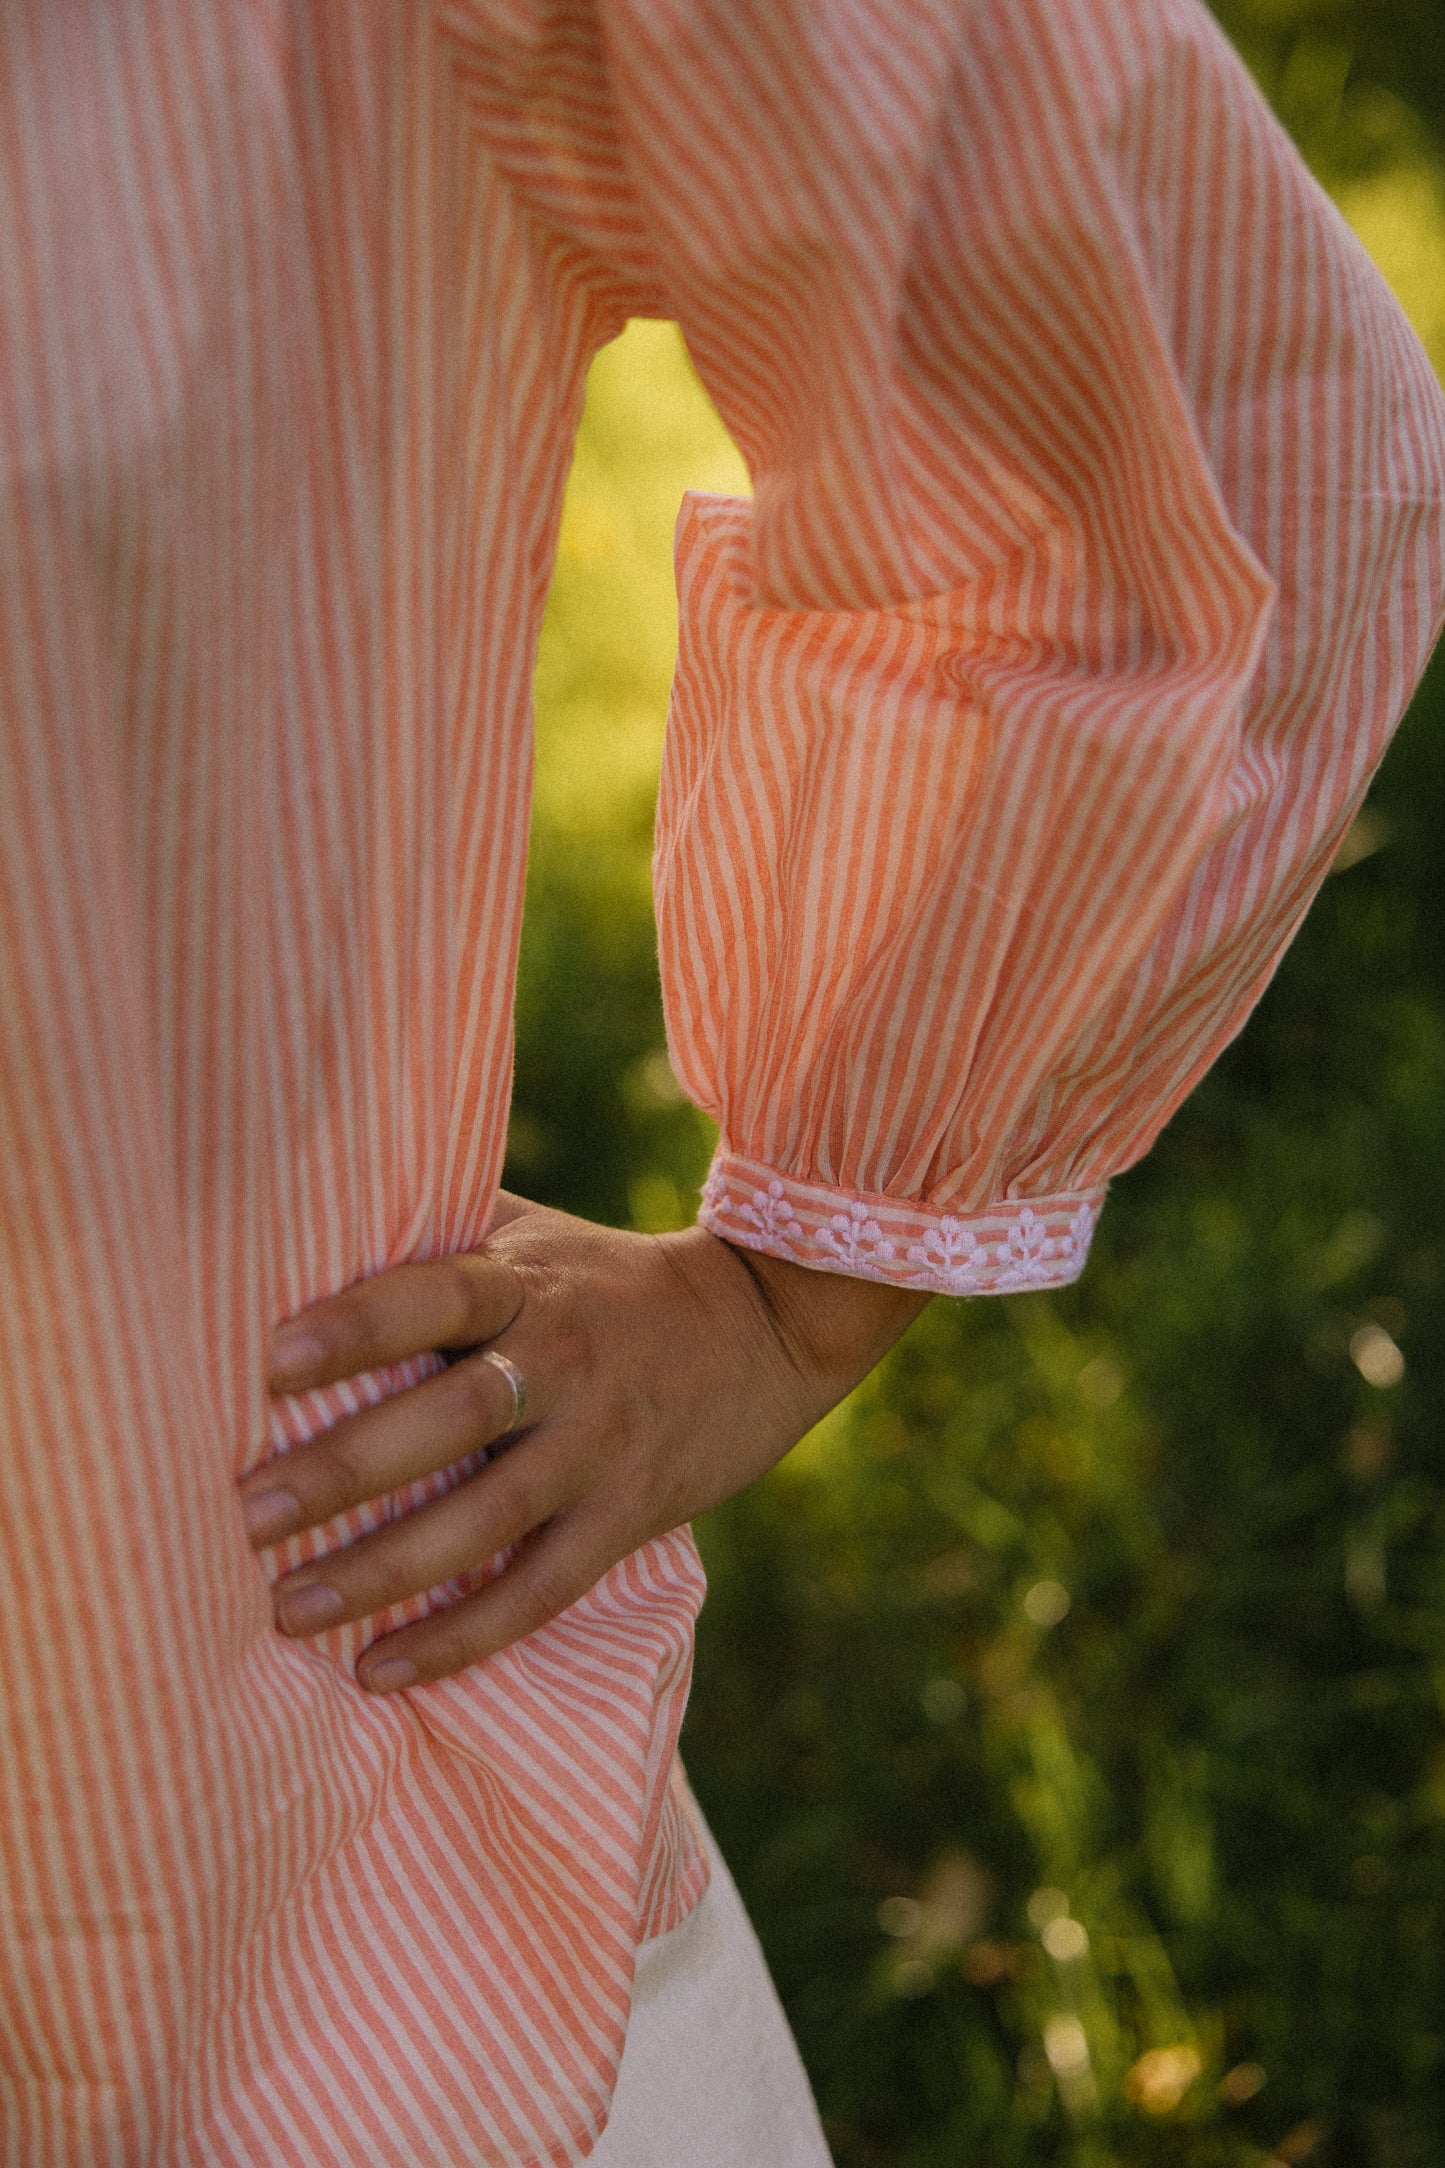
302,1610
295,1356
387,1674
270,1514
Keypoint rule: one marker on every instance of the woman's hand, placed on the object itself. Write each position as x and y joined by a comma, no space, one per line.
663,1373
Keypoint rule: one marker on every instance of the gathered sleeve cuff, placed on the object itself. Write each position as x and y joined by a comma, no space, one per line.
1015,1245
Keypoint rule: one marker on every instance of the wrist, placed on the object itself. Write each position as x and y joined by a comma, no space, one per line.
832,1324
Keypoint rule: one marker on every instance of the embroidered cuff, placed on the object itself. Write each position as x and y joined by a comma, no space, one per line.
1017,1243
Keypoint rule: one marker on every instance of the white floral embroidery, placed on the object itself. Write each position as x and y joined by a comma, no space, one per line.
1010,1249
1073,1247
952,1253
1028,1241
772,1215
1024,1258
855,1239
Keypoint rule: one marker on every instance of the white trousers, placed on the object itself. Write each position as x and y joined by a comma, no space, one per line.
710,2074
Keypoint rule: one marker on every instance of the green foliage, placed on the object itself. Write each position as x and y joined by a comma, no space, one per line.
598,1123
1069,1704
1354,81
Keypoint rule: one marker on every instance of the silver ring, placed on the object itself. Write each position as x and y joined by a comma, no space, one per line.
518,1384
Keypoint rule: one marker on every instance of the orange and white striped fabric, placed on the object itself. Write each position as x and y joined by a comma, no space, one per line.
1096,548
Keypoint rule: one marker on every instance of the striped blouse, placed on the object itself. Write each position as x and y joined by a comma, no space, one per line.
1096,547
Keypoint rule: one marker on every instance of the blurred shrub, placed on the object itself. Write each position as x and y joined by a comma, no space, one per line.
1070,1703
598,1124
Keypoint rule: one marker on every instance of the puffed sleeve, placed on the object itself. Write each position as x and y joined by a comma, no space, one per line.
1096,549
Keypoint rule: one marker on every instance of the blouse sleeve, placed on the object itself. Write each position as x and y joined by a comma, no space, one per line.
1096,549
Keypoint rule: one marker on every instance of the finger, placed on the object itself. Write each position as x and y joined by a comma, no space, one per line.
364,1456
554,1569
492,1511
448,1302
